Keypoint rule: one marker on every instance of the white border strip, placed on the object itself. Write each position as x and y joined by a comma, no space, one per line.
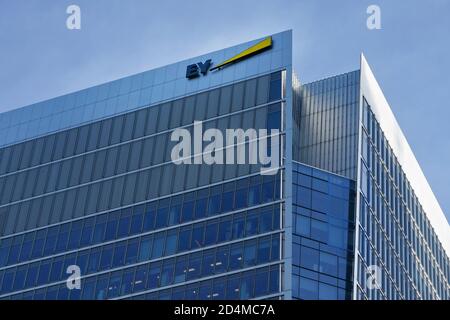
380,107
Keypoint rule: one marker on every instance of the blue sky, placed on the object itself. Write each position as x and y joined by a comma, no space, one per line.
40,58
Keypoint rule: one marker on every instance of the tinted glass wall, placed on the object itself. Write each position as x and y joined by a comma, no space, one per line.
323,234
395,235
325,126
106,197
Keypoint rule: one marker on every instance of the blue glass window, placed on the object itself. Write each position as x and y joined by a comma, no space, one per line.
132,251
26,247
327,292
52,293
124,223
264,250
227,201
238,226
197,236
119,255
184,239
328,264
200,208
32,275
221,260
88,289
233,287
214,205
208,263
63,292
158,245
309,258
7,282
338,236
167,272
302,226
140,278
273,122
154,275
236,256
211,233
107,254
275,86
204,292
178,294
250,253
127,282
262,282
276,219
275,251
75,235
267,191
87,232
171,242
180,270
145,248
308,289
44,271
304,180
51,240
241,198
111,226
69,260
94,259
320,185
19,279
56,271
82,260
188,211
40,294
4,251
319,230
303,197
175,215
225,230
251,225
254,195
14,254
161,217
99,229
194,269
101,288
218,290
149,219
114,284
265,224
246,290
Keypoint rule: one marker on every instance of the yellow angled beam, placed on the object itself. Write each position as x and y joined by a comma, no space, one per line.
264,44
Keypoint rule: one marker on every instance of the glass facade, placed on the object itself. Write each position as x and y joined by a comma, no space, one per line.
395,234
107,198
395,238
88,180
326,124
109,164
323,234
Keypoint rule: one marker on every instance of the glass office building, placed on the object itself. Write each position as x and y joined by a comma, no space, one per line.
88,180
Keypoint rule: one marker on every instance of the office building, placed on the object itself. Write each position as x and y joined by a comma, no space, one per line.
88,180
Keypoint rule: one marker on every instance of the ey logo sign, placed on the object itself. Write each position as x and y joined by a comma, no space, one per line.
194,70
